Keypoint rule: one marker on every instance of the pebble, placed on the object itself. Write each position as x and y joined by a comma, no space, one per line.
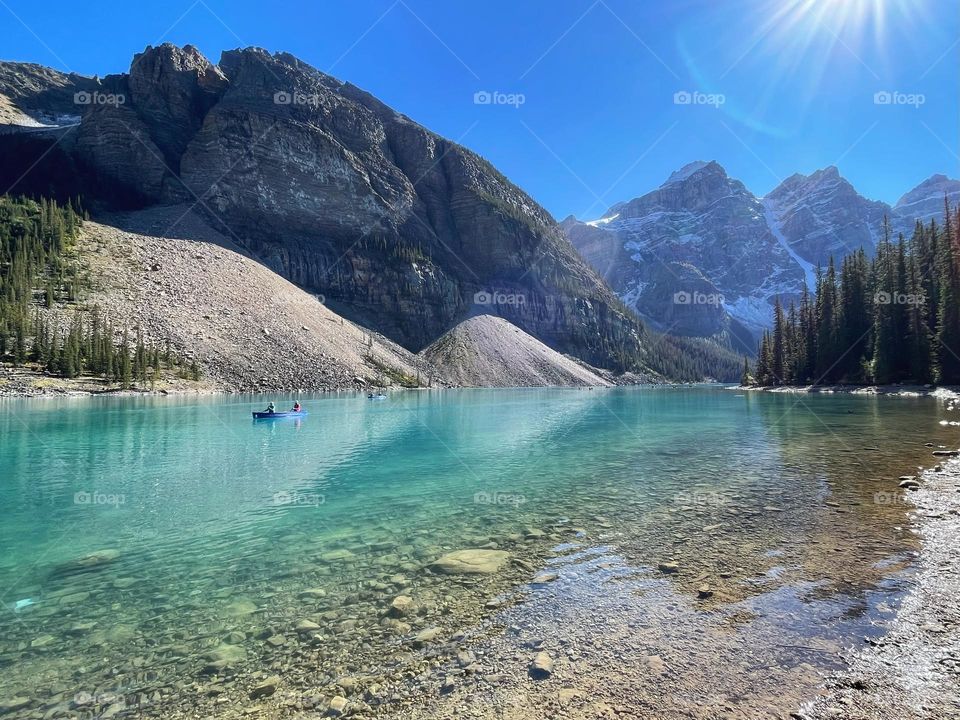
338,705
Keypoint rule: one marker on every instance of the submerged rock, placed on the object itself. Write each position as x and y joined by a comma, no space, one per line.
265,688
471,562
542,666
427,636
544,578
402,605
241,606
94,560
222,656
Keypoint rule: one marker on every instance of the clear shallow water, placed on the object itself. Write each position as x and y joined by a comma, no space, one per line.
215,525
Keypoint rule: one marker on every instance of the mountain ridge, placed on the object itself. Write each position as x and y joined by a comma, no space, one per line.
676,240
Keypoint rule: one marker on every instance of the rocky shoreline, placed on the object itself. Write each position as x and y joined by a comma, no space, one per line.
913,672
945,391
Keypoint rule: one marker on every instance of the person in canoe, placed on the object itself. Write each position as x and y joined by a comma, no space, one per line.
271,408
296,407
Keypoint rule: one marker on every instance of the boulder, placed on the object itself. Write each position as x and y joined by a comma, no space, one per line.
471,562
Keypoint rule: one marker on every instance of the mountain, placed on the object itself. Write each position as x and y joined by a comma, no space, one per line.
400,229
695,256
925,202
703,256
821,216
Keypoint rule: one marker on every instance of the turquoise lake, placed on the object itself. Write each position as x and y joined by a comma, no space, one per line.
148,542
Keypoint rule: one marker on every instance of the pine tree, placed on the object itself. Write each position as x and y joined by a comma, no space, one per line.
948,312
778,350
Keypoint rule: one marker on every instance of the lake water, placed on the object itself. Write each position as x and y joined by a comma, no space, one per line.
162,556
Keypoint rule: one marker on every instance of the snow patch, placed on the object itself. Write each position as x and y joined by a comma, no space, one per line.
769,212
602,221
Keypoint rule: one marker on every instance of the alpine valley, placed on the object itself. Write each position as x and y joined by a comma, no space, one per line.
400,234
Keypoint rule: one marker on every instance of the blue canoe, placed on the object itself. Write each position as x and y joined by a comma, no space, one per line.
278,415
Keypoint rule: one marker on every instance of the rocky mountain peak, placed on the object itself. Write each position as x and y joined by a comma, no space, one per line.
693,187
926,199
172,89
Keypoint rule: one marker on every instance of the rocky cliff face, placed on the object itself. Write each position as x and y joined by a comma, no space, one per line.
702,256
400,229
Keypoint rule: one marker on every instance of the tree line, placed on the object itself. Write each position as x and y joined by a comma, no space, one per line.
40,268
894,318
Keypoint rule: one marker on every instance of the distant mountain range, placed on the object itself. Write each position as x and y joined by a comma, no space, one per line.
703,256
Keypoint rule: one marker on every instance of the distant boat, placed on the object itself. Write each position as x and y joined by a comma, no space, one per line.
378,396
278,415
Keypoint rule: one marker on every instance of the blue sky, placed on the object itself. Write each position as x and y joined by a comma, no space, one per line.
616,94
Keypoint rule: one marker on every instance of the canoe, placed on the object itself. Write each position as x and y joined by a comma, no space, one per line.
278,415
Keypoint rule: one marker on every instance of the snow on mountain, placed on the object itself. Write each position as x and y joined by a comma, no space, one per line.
821,216
702,259
701,255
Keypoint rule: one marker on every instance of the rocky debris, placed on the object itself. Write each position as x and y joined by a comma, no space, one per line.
488,351
668,568
471,562
227,339
704,592
542,666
